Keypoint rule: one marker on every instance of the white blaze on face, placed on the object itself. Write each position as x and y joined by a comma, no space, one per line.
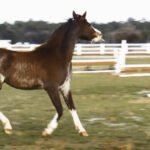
98,37
96,30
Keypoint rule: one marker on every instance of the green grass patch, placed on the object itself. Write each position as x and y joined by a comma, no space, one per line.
138,60
114,111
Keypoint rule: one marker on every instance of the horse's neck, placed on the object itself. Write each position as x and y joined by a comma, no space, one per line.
63,42
68,43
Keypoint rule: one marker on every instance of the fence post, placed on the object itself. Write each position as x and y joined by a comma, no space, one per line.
5,43
124,51
117,65
148,48
78,48
121,57
102,49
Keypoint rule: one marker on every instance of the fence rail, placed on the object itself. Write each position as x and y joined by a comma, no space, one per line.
116,54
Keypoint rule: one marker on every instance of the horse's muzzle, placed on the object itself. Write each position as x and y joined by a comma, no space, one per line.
98,38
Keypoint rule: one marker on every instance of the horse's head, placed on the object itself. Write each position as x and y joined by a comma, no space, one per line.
87,31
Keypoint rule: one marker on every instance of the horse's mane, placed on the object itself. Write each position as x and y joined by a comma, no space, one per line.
53,40
62,29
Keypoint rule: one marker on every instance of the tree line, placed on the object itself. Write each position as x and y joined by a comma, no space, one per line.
39,31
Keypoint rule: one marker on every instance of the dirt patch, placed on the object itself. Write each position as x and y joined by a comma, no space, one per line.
141,101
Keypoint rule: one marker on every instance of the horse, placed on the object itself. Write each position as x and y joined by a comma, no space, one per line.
48,67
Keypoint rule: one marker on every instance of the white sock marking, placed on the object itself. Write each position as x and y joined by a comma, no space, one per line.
77,121
52,125
5,121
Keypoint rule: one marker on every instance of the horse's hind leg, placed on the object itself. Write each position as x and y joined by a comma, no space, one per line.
3,118
66,92
54,95
6,123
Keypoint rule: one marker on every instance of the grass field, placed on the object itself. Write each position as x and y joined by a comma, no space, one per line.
115,112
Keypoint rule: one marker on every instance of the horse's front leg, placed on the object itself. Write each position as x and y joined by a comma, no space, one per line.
5,121
54,95
66,92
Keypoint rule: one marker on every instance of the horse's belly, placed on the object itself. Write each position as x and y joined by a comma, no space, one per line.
25,83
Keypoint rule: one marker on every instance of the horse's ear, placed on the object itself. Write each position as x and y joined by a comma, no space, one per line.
75,16
84,16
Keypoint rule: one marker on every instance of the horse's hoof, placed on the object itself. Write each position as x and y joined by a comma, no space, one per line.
44,133
8,131
84,133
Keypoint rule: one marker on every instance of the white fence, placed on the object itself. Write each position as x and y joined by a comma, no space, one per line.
133,48
18,46
116,54
109,54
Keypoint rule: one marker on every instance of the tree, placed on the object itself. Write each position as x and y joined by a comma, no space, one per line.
127,32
